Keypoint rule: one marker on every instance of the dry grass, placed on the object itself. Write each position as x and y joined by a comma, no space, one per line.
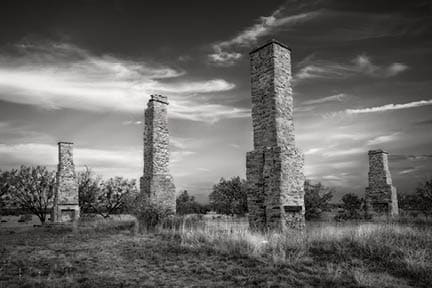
368,253
107,253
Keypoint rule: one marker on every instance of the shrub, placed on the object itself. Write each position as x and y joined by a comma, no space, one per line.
317,198
351,208
186,204
151,215
229,197
25,218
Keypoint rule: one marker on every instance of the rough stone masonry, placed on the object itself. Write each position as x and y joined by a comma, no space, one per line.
66,205
274,169
381,195
157,184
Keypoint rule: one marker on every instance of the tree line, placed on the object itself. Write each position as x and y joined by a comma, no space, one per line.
32,189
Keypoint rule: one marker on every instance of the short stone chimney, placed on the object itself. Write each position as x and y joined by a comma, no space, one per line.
66,203
381,195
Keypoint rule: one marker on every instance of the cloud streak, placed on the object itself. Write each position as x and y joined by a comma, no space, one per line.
56,76
311,68
333,98
383,139
225,53
390,107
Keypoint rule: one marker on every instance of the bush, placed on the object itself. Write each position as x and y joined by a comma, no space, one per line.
150,215
229,197
316,198
352,208
25,218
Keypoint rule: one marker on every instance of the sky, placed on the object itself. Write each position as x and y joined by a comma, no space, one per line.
83,71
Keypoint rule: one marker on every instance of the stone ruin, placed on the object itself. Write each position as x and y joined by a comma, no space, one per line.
381,195
66,206
274,169
157,185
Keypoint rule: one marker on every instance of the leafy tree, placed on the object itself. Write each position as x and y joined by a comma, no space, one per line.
229,196
351,205
105,197
316,199
186,204
88,189
32,189
112,195
424,193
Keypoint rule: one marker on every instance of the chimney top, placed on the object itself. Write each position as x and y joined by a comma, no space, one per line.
272,41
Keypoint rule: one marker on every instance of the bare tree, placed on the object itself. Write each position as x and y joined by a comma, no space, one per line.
32,189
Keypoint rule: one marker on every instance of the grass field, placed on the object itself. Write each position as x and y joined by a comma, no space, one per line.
217,254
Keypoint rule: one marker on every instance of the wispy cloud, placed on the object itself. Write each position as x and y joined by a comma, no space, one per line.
311,68
313,151
343,152
11,133
389,107
46,154
130,122
55,76
235,146
333,98
410,157
383,139
225,53
408,171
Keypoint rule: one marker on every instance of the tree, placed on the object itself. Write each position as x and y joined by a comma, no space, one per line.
229,196
186,204
424,193
104,197
351,207
316,199
32,189
4,189
88,189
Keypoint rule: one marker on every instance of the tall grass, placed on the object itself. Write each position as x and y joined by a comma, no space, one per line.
392,248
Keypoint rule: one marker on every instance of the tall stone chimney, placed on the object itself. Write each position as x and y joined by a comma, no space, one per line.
274,169
66,205
157,184
381,195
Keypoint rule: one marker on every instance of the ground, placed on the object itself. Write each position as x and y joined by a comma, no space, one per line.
118,257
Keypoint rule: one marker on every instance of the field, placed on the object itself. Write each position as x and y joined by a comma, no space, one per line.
222,253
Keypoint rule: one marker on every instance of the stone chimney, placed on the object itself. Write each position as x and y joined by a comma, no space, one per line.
274,169
66,204
157,184
381,195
